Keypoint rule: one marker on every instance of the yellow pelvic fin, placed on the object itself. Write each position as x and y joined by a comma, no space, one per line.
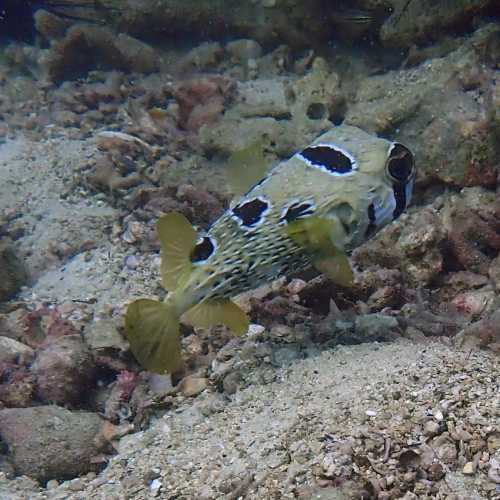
177,239
317,235
246,167
152,329
218,312
337,268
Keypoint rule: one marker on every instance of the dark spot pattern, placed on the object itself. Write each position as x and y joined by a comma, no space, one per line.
332,159
372,225
250,212
297,211
202,251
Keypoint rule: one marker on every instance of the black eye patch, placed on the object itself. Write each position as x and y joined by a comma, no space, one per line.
203,250
330,158
297,211
250,212
400,162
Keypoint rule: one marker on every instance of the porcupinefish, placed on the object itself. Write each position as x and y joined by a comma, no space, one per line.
313,208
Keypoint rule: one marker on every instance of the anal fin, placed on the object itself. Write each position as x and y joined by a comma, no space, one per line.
218,312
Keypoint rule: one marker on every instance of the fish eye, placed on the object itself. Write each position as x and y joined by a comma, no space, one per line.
400,164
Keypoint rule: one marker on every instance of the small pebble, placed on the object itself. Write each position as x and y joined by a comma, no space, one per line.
371,413
438,415
469,468
155,487
192,386
255,331
131,261
52,484
431,428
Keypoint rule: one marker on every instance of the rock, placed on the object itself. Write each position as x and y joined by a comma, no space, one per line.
231,382
375,325
424,21
12,272
86,47
65,370
202,101
137,56
431,428
205,56
476,302
104,334
159,384
469,468
482,333
269,22
472,222
49,442
317,96
50,26
262,97
12,351
494,470
232,134
281,111
192,386
452,138
494,272
244,49
12,324
412,244
17,388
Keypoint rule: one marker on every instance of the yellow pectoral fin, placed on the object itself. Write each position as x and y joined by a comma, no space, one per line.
218,312
177,239
152,329
317,236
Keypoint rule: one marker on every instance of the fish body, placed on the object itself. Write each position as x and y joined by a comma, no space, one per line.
313,208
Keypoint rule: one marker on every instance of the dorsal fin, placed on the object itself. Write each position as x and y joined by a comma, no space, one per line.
177,239
218,312
317,236
246,167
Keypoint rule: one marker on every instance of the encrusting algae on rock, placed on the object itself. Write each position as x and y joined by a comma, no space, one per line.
314,208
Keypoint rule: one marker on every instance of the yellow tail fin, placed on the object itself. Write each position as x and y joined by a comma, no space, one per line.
152,329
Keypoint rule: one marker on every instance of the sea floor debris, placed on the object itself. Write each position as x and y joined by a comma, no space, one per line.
385,390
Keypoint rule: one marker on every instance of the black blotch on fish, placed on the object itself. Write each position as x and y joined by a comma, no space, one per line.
400,197
372,225
296,211
332,159
250,212
202,251
400,163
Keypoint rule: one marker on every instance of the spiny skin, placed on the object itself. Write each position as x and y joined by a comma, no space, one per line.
360,201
